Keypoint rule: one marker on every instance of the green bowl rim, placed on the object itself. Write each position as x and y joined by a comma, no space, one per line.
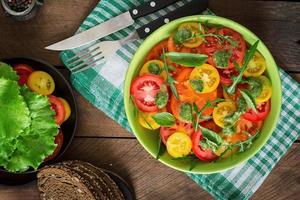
130,71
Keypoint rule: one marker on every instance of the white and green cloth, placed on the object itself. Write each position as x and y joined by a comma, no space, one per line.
102,86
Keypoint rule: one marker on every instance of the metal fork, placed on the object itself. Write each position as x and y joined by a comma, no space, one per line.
97,53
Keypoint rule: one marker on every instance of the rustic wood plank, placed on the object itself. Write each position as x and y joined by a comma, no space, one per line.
153,180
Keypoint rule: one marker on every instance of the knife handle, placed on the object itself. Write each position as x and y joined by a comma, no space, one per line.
149,7
192,8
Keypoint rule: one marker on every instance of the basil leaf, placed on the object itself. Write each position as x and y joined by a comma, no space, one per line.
197,85
185,112
154,69
160,149
164,119
182,35
187,59
256,86
161,99
249,100
221,58
212,136
249,55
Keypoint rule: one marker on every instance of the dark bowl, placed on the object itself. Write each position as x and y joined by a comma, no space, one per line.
62,89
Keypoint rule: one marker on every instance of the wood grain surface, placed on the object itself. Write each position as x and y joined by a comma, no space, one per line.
104,143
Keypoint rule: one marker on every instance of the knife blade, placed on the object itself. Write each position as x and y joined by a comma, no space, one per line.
112,25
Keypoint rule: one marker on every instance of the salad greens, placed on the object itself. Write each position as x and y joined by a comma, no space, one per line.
196,85
187,59
27,125
221,58
164,119
186,112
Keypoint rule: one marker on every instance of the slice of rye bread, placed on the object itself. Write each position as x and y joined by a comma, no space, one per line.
57,182
100,190
98,178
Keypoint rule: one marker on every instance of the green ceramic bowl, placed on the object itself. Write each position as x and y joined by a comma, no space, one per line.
149,139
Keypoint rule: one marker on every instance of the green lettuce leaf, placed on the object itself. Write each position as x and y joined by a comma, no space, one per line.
36,143
7,72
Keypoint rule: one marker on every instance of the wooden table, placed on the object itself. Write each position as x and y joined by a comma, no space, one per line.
103,142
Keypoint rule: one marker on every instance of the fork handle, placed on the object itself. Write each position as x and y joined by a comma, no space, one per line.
192,8
149,7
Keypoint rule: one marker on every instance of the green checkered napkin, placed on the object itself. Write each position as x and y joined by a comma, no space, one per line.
102,86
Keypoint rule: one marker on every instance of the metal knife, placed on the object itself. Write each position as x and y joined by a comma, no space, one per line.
112,25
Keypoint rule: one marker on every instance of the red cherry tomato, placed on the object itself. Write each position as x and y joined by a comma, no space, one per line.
205,155
59,140
248,126
58,107
165,132
144,89
23,71
225,76
263,110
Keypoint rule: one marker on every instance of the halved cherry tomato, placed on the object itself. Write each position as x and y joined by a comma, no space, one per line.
154,67
256,66
144,89
156,52
263,110
210,124
248,126
165,132
202,154
41,82
59,140
179,145
23,70
266,92
58,107
226,74
67,108
194,28
222,110
208,75
146,121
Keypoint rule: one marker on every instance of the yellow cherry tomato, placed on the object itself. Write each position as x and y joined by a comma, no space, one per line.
179,144
266,92
154,67
223,110
146,120
256,66
195,41
209,76
67,108
41,82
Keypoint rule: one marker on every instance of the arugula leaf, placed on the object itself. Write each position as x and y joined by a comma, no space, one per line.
249,100
7,72
196,85
187,59
161,99
249,55
185,112
221,58
170,79
182,35
164,119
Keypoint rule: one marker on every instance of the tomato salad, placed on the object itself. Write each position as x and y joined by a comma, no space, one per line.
42,83
206,91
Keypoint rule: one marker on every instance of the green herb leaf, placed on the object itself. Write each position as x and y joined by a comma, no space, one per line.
190,158
221,58
154,69
187,59
164,119
255,86
197,85
182,35
249,100
160,149
212,136
249,55
185,112
161,99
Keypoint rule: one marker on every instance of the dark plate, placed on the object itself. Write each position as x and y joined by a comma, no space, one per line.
62,89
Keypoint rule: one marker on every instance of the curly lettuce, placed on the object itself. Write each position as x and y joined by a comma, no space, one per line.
7,72
27,125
